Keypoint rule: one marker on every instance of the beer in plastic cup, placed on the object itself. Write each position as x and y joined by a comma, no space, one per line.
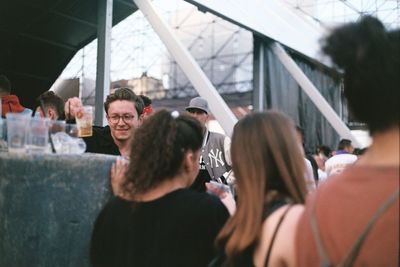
84,121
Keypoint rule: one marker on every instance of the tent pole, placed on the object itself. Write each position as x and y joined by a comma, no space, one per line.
315,96
189,66
104,27
259,73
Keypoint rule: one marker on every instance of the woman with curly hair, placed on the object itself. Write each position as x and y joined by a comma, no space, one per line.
159,222
353,219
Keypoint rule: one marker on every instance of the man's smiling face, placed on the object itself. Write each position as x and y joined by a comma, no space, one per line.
123,119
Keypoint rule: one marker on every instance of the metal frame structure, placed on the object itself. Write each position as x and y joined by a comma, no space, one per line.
192,70
206,89
341,11
103,58
313,93
134,57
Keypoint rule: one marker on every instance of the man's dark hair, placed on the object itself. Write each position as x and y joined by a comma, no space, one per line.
146,100
5,84
50,99
360,151
125,94
327,151
370,57
344,143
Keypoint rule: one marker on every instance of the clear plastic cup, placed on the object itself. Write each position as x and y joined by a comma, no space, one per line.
72,130
17,126
38,135
84,121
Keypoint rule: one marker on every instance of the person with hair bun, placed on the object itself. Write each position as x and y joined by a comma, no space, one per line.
353,218
158,221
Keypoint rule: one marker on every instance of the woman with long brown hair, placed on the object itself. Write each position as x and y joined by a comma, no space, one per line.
269,170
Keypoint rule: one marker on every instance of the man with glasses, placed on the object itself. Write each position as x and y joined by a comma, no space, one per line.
124,114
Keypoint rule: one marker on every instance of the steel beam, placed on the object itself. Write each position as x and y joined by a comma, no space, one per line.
189,66
50,42
260,72
315,96
104,26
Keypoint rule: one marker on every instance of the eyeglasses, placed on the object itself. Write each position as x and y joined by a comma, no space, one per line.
127,118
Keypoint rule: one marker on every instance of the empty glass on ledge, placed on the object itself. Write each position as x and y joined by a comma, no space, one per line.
38,135
17,126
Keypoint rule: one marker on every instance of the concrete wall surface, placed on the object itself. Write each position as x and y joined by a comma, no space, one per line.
48,204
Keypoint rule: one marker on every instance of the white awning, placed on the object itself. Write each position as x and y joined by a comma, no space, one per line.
272,19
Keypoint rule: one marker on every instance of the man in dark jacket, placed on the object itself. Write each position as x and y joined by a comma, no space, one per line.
124,114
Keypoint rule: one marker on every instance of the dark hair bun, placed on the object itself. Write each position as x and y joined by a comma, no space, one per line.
354,42
370,58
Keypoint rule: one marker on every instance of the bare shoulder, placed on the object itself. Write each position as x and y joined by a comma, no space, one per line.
291,217
294,213
282,253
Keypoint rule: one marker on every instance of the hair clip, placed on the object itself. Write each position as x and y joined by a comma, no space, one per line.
175,114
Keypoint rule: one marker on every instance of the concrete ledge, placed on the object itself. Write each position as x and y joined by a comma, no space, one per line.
48,204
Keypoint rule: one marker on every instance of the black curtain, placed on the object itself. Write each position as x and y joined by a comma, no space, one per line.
284,94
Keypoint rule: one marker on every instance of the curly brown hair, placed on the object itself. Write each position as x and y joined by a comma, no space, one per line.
158,150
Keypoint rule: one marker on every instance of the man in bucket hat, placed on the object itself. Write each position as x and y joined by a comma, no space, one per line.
215,158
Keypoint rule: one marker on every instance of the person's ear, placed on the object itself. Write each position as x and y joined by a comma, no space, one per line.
189,161
52,114
141,119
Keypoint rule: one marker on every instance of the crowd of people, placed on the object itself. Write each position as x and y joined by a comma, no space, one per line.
274,204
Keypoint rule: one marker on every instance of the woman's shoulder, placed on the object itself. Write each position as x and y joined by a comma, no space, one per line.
203,205
291,215
193,195
115,207
283,221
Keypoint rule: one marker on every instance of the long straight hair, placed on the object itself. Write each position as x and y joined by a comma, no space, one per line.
267,161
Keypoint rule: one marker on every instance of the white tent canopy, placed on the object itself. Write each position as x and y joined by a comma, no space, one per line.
272,19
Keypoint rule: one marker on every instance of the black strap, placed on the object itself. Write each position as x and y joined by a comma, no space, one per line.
355,249
274,235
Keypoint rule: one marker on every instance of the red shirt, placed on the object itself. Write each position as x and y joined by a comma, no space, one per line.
10,103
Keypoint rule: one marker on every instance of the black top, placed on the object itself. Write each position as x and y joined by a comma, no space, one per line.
202,177
177,229
245,258
199,183
101,142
